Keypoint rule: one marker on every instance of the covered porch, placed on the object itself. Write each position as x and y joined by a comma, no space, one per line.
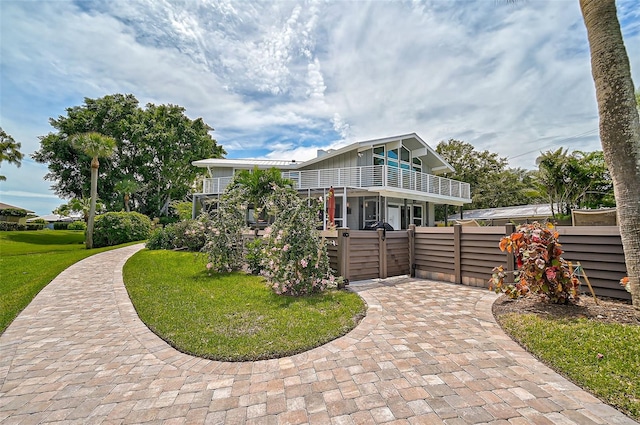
368,194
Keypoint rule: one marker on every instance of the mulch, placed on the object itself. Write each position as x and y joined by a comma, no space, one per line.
607,310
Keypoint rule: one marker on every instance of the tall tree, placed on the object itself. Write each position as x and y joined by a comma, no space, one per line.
9,151
155,147
483,170
96,146
619,125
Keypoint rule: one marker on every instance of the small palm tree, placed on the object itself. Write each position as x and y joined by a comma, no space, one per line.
259,185
126,188
9,151
96,146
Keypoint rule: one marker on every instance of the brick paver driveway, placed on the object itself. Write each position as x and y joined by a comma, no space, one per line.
427,352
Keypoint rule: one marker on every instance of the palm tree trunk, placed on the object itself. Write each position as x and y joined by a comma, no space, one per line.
619,126
92,209
126,202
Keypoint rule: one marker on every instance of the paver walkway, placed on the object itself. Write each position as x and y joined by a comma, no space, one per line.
427,352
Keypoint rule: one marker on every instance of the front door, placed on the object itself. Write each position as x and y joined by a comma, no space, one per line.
394,216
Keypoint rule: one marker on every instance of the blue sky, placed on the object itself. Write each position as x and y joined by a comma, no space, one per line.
282,79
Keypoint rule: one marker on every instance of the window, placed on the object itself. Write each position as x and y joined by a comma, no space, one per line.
392,154
417,215
378,155
404,154
417,164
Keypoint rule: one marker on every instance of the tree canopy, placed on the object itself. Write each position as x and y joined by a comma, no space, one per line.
155,146
574,180
492,183
9,150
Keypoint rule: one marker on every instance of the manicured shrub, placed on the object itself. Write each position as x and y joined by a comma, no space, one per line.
161,238
77,225
189,235
541,269
115,228
60,225
11,225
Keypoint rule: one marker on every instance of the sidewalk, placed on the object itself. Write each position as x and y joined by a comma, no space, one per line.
427,352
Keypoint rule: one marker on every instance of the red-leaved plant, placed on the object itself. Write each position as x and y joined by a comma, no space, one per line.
541,269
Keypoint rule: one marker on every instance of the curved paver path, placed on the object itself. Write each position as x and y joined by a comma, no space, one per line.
427,352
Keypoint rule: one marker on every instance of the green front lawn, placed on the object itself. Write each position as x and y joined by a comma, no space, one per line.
231,317
600,357
29,260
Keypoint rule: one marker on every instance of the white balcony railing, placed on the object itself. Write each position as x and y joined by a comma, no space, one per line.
363,177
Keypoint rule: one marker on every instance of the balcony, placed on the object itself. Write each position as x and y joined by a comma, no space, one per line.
376,178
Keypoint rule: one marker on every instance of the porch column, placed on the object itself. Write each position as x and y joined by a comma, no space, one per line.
431,214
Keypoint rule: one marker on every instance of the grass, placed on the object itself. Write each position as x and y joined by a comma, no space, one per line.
231,317
29,260
600,357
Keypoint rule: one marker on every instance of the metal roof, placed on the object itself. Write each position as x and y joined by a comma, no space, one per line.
520,211
248,163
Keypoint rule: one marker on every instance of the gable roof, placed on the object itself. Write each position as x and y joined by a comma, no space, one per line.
412,140
4,206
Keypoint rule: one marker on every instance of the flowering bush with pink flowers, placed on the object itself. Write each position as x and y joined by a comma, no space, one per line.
294,259
291,255
225,244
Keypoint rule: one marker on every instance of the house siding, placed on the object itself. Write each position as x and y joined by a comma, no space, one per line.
348,159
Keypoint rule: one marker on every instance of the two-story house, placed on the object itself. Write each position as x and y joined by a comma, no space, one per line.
394,180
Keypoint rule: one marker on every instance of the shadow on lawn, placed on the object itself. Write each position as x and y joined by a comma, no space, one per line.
43,237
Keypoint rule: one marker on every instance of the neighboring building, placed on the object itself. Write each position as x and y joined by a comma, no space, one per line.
13,214
51,219
500,216
393,180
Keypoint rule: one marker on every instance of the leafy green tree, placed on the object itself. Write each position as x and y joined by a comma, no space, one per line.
486,172
127,188
619,125
155,146
96,146
9,151
513,186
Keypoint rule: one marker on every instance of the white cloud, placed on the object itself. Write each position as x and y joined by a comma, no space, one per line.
285,78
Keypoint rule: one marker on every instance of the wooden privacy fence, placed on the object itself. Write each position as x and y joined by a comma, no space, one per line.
467,255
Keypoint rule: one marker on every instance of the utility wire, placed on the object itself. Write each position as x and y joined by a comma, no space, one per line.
586,133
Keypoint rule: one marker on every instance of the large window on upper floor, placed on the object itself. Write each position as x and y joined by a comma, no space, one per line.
396,158
379,155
